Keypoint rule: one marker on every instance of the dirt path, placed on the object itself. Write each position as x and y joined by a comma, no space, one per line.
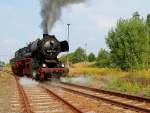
7,90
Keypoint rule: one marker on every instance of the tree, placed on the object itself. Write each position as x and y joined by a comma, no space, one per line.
103,59
148,21
79,55
148,24
129,43
91,57
63,58
70,57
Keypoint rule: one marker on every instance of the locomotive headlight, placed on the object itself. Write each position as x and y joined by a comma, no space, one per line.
44,65
34,73
63,65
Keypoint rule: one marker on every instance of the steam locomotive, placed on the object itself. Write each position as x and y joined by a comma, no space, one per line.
39,59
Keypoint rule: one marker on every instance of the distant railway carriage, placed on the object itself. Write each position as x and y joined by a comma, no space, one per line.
39,59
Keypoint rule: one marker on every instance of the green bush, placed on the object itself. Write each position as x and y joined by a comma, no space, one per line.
91,57
75,57
103,59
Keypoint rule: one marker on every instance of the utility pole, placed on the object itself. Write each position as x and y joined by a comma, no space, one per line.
68,43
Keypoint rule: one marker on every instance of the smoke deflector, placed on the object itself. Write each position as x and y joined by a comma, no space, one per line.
64,46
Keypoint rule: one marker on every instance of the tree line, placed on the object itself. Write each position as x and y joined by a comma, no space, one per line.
128,43
79,55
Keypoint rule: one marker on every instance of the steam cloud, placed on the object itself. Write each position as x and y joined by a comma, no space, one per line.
51,12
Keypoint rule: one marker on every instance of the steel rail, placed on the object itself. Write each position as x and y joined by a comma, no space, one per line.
26,104
124,95
60,98
124,105
25,101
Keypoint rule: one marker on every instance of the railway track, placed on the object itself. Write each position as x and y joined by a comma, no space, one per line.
39,99
44,98
138,104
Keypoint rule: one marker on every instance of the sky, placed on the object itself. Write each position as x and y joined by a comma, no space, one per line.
90,22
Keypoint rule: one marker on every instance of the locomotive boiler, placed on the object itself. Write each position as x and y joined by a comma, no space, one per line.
39,59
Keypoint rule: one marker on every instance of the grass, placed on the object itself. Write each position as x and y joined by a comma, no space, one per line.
86,68
130,84
134,82
107,71
89,71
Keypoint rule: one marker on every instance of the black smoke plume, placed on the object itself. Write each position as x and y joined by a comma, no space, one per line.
51,12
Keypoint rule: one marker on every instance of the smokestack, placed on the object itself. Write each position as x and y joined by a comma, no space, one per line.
45,35
51,12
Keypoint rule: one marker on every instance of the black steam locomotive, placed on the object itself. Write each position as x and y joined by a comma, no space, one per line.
39,59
